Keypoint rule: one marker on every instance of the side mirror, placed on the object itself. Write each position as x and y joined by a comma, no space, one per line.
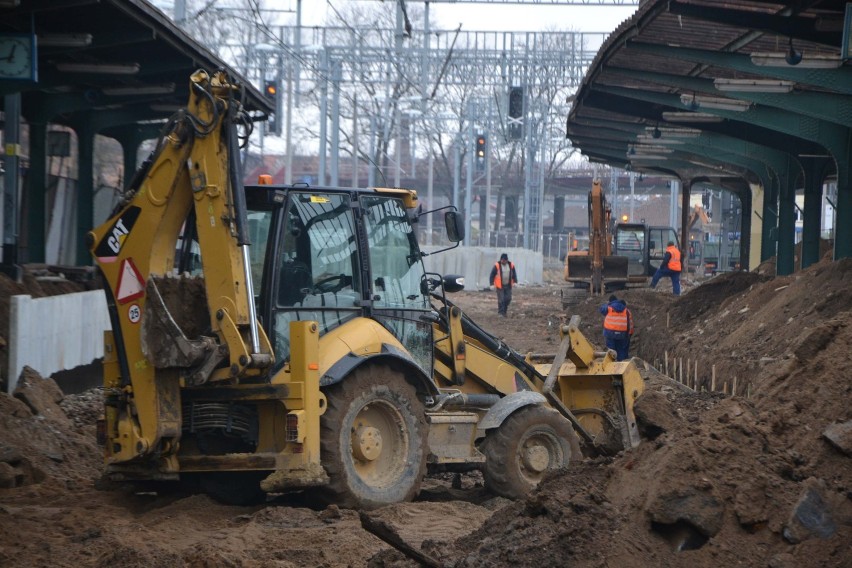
450,283
454,226
453,283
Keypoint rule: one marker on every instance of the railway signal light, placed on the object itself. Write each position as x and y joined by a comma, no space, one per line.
270,91
516,113
481,147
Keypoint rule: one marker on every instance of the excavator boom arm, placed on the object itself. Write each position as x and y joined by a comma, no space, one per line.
190,170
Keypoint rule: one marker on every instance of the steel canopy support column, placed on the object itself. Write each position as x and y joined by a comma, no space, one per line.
785,264
85,189
11,205
36,192
839,144
745,196
843,220
815,169
769,233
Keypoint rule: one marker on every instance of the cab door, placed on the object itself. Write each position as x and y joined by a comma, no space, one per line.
317,269
395,275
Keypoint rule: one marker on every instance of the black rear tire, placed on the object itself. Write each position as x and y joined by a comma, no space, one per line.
373,439
530,442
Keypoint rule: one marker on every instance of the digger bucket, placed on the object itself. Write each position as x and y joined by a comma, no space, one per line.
578,268
598,400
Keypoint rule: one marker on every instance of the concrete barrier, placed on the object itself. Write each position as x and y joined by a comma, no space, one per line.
55,333
475,264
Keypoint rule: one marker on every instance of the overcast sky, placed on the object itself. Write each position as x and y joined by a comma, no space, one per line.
485,17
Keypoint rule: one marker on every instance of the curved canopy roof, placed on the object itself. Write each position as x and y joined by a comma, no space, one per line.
123,59
697,88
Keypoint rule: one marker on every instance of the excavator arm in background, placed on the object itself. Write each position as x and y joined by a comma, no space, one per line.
596,269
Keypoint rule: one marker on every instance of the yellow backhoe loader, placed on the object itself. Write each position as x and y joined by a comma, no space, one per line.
275,338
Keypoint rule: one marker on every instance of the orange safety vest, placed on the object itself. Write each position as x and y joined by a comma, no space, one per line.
618,321
674,261
498,280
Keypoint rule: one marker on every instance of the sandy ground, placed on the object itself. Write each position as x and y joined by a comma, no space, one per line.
762,478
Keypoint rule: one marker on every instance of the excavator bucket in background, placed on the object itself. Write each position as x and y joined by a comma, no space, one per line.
578,268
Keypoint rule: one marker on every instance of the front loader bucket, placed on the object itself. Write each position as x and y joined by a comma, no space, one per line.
603,403
593,390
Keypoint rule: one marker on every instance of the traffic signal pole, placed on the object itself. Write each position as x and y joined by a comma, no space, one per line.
468,188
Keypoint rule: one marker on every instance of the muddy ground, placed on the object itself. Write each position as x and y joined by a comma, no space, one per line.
763,478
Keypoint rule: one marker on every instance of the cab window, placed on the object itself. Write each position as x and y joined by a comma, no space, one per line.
396,268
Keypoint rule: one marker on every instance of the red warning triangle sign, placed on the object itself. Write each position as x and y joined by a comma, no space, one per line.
131,285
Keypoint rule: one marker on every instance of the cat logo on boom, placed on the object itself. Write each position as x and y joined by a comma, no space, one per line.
110,246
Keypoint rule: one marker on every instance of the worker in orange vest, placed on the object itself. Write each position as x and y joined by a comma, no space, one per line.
618,326
670,267
503,277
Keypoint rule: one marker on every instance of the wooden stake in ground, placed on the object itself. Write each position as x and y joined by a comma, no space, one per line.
666,362
713,378
734,387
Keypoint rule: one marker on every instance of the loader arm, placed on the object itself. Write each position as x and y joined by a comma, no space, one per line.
588,387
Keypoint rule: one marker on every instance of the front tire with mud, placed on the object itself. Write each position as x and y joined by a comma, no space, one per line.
520,451
373,439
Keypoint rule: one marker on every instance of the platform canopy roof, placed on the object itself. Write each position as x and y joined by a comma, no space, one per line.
123,59
698,88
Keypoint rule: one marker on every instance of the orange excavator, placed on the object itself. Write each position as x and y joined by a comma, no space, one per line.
597,269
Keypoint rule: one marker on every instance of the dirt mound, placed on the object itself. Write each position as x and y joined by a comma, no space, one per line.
717,492
39,447
720,481
711,295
